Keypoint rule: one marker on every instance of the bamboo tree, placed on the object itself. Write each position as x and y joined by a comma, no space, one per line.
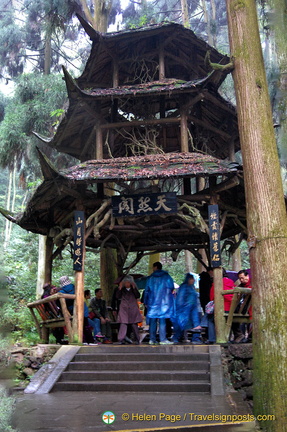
266,215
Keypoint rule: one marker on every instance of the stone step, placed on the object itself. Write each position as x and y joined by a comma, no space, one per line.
184,349
135,376
140,366
133,386
162,368
140,357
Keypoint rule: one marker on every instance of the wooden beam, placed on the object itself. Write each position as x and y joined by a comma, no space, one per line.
206,125
140,123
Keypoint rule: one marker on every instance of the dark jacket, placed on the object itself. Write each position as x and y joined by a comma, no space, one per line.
98,306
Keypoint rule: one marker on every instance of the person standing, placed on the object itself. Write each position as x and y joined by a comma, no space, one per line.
245,282
159,301
186,308
129,312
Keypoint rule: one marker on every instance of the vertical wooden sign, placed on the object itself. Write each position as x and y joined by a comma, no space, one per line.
79,233
214,235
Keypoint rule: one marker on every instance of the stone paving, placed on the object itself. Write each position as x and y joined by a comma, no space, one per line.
83,411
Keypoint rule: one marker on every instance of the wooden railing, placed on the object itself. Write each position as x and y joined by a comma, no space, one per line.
239,308
52,312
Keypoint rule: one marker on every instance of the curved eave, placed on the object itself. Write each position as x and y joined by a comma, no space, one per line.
48,170
149,167
170,86
8,215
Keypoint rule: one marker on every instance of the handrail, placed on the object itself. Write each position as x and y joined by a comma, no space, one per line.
53,297
237,290
43,326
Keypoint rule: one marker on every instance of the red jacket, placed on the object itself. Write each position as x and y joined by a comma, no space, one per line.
227,285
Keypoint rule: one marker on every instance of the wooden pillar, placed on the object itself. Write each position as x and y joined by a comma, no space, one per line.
183,131
115,72
78,314
99,141
99,132
219,306
78,317
161,63
218,297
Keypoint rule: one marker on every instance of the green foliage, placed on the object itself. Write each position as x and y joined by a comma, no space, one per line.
7,407
29,110
11,43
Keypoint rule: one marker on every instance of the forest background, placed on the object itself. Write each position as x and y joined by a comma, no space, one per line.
37,37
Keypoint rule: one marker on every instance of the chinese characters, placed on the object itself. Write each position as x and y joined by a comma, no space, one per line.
214,230
137,205
78,240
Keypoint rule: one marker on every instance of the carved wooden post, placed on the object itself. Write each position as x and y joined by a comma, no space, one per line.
218,285
79,265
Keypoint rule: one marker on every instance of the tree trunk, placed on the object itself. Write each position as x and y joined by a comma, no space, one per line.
152,259
185,17
45,252
102,9
8,207
266,215
188,261
236,258
108,272
48,54
278,24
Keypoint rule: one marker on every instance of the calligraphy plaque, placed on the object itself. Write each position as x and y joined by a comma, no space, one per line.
214,235
144,204
79,233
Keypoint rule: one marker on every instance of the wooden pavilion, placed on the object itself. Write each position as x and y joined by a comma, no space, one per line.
147,122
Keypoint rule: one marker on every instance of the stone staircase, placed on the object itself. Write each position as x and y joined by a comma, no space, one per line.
143,368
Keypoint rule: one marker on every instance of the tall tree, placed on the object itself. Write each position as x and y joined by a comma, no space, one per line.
266,214
276,25
48,25
99,13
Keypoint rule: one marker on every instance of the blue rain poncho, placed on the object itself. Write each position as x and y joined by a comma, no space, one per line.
186,305
158,295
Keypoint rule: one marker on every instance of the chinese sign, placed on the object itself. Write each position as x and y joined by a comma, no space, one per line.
79,226
138,205
214,234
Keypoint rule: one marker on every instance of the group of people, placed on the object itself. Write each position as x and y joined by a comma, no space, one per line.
240,333
166,307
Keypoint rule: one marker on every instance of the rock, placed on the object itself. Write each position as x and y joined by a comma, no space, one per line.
247,377
249,364
35,365
26,362
248,392
28,371
242,351
237,366
17,357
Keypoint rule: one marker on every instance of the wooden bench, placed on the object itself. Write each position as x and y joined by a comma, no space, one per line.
52,312
239,308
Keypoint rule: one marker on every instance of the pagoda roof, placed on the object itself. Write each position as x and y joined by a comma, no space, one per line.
52,205
121,85
181,47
